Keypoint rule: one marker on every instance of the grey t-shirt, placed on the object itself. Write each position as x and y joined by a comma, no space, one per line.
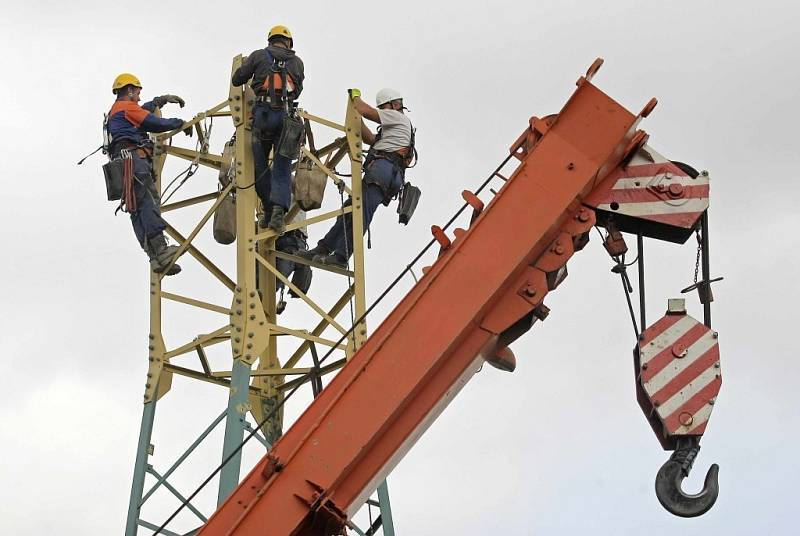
395,131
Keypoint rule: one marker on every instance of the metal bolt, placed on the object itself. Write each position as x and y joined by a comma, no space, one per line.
716,365
149,375
250,335
237,108
238,300
714,334
656,403
237,118
570,166
152,336
151,347
644,366
249,345
252,294
238,289
252,306
239,312
711,402
530,291
238,329
237,339
147,386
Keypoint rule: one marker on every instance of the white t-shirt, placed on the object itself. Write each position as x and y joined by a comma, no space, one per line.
395,131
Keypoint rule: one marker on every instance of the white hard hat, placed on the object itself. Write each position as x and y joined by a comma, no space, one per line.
387,95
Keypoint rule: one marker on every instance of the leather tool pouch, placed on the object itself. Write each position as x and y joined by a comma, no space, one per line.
407,203
291,133
114,172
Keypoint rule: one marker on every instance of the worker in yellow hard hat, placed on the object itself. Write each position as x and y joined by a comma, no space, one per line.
276,75
127,127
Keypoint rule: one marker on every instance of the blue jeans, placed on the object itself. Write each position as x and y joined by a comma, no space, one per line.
147,221
291,243
339,237
272,185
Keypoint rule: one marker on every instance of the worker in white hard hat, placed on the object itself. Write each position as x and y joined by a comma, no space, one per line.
276,74
391,152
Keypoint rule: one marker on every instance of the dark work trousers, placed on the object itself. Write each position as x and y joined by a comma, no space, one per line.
290,243
147,221
273,185
339,238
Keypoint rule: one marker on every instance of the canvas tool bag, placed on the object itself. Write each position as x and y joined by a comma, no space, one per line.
309,184
225,221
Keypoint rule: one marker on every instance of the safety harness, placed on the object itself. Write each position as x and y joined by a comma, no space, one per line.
400,161
279,84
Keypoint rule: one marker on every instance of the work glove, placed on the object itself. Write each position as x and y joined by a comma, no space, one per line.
353,93
188,130
164,99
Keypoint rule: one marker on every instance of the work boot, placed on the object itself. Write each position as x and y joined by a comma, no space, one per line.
276,220
309,254
161,254
334,259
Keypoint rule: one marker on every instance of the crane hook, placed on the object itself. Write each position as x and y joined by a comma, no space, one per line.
671,475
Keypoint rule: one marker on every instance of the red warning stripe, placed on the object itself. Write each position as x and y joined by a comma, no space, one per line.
663,324
650,170
682,380
665,356
647,195
694,404
699,429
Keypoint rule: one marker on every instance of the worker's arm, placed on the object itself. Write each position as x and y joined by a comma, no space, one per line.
245,71
366,134
366,110
299,76
141,117
153,123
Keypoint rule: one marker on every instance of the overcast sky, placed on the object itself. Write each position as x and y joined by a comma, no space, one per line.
559,446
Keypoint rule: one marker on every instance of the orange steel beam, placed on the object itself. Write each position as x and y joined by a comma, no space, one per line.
485,289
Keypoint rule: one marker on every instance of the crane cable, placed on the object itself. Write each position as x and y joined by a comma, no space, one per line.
347,333
621,268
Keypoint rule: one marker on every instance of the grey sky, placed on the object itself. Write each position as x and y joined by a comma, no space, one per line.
558,447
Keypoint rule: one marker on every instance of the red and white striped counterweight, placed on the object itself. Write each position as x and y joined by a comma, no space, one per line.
678,374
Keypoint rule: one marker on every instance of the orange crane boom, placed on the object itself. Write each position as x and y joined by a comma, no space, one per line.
485,290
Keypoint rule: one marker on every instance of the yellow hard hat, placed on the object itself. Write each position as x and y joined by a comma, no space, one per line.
279,30
125,79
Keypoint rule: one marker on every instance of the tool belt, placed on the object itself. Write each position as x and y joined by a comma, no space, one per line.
142,151
392,156
278,102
